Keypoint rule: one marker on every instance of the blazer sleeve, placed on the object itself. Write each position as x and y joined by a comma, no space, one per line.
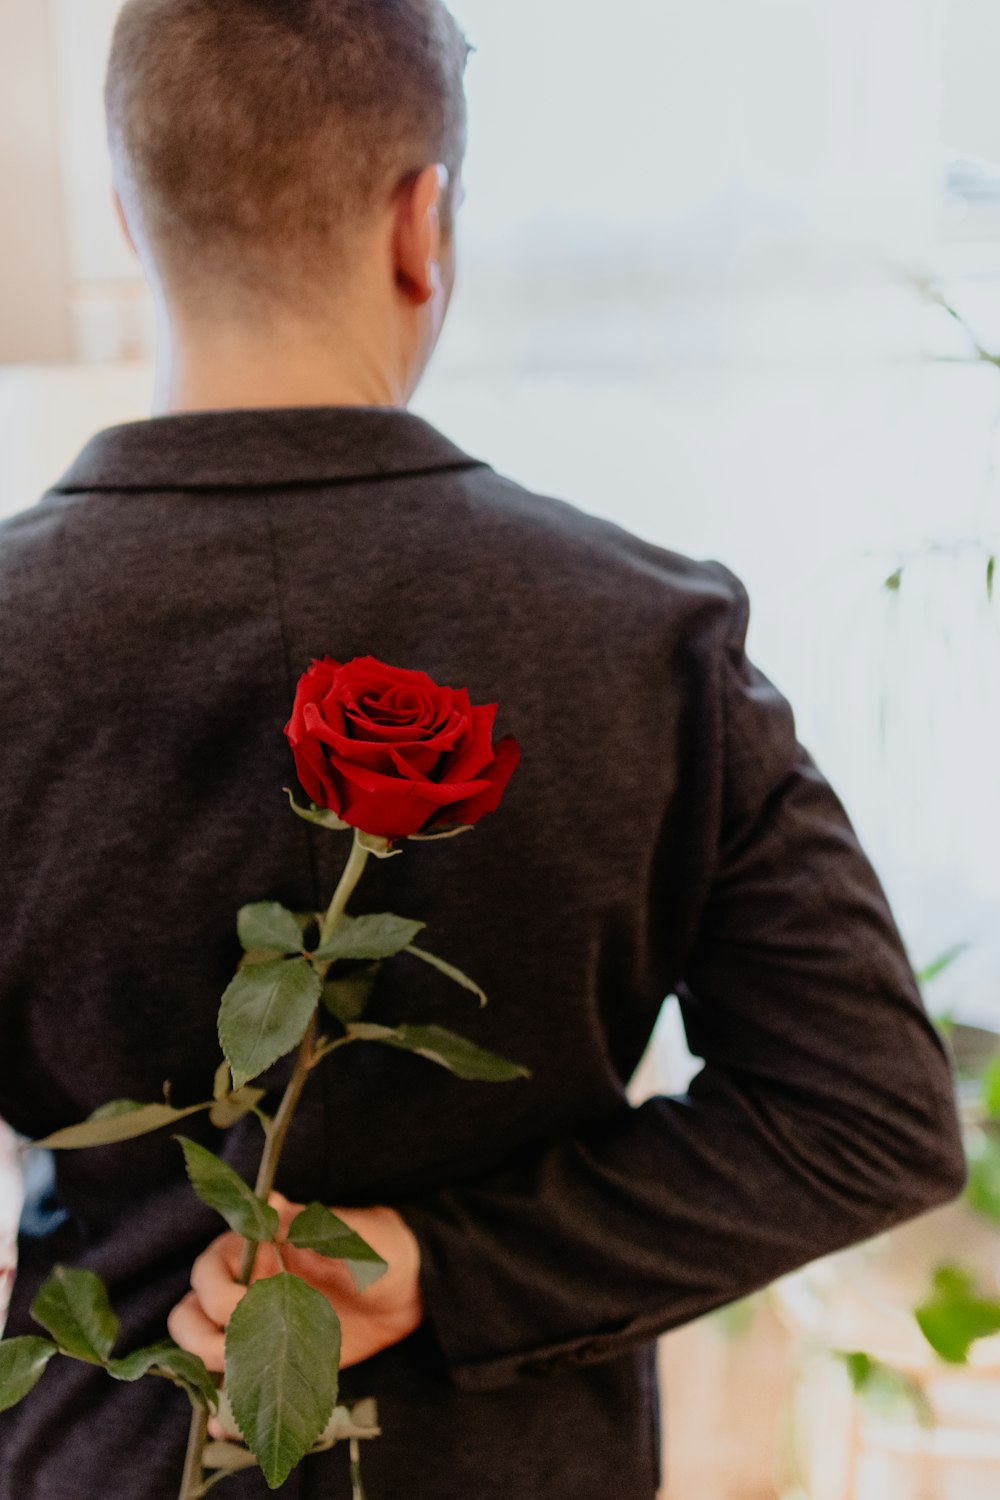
824,1112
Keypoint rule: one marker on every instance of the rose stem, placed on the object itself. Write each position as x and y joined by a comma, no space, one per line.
274,1141
357,1490
192,1481
345,887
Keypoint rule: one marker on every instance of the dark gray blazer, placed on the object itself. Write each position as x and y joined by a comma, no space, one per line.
665,833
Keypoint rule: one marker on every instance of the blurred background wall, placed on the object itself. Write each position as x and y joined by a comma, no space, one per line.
35,271
704,252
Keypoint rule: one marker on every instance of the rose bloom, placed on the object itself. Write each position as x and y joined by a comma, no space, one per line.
392,753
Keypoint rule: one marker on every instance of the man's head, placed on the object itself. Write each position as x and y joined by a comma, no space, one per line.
264,149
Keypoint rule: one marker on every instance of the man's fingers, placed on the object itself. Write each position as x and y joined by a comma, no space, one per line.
212,1281
219,1433
223,1434
189,1327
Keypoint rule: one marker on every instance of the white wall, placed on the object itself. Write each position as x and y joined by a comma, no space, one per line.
704,139
971,119
81,40
34,263
785,116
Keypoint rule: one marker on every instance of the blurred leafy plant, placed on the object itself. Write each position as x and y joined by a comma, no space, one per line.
887,1392
979,354
737,1318
956,1315
938,965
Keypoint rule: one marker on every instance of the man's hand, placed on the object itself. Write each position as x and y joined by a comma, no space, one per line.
372,1320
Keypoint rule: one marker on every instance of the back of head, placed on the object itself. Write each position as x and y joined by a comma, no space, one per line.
255,141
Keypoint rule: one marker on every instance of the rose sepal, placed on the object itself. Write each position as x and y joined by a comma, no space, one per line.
323,817
374,843
447,833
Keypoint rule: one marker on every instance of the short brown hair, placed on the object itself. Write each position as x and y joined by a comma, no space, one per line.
253,137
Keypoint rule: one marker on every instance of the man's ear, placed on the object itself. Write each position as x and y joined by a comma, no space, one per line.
120,212
417,233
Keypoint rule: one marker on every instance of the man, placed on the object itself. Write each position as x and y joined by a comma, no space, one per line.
289,173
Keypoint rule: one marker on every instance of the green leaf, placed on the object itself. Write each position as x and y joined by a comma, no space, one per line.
379,935
187,1371
991,1089
449,970
221,1188
359,1421
73,1306
268,924
22,1365
264,1013
461,1057
322,817
317,1228
121,1120
991,569
735,1319
132,1367
885,1390
944,961
982,1191
347,999
229,1111
859,1367
254,956
168,1358
955,1315
945,1025
282,1367
894,582
116,1107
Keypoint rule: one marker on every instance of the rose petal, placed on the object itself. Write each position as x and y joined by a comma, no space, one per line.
312,684
416,762
391,813
442,737
508,754
373,755
331,711
434,792
310,764
393,752
372,687
367,671
314,773
361,729
477,751
386,815
383,755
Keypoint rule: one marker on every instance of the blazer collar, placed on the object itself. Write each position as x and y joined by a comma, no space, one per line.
267,448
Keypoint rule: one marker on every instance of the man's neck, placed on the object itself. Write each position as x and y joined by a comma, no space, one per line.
224,369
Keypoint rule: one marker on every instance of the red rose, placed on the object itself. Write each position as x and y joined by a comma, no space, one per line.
391,752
